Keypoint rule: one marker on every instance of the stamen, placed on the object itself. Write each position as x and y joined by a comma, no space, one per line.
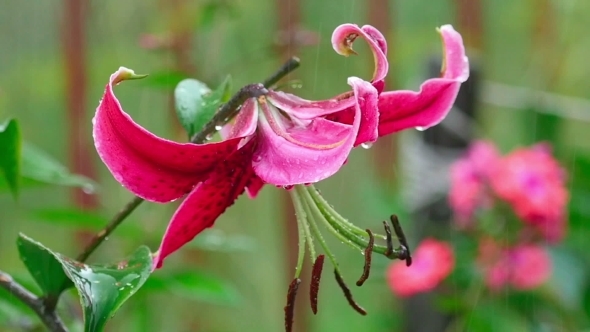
290,307
368,252
401,237
316,275
348,294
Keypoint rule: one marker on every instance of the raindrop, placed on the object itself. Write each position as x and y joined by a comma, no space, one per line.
208,137
420,128
257,158
366,145
218,127
88,189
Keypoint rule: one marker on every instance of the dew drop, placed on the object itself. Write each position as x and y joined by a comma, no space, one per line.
88,189
218,127
366,145
420,128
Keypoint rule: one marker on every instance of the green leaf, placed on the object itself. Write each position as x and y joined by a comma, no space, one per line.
189,102
219,241
196,103
166,79
10,152
38,165
43,266
194,285
103,289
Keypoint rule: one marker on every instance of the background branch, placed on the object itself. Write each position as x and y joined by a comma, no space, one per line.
48,317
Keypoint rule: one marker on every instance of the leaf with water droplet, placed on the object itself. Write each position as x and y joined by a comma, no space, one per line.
196,104
102,288
188,98
211,103
10,154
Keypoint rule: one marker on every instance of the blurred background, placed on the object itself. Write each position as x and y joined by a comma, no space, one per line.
529,83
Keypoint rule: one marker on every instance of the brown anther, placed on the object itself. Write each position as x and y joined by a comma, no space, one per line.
348,294
368,252
401,237
314,287
290,307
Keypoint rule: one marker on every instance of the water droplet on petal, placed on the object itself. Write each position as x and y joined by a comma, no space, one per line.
366,145
218,127
420,128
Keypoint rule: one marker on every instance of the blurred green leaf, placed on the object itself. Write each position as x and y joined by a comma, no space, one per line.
72,217
43,266
38,165
166,79
217,240
211,10
104,288
189,102
493,317
196,103
10,154
194,285
12,315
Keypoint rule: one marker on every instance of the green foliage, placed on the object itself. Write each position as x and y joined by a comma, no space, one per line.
194,285
102,288
10,150
196,104
43,265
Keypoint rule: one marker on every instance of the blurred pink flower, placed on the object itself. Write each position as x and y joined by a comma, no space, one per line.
432,262
469,176
525,266
532,181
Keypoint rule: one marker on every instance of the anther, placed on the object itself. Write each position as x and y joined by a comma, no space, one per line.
314,287
401,237
290,307
348,294
368,252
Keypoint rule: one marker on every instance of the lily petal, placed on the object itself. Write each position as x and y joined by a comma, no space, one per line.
343,37
306,109
308,154
207,201
151,167
244,123
423,109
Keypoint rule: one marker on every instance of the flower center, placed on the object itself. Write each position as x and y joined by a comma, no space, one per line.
293,129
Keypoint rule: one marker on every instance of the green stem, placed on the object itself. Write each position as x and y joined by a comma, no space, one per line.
316,231
301,220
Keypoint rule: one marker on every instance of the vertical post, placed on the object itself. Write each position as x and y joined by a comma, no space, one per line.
289,18
385,149
74,49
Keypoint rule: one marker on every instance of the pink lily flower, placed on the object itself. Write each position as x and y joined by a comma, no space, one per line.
278,138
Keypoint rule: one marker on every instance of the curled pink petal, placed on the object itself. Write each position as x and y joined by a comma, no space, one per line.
344,35
423,109
290,154
207,202
149,166
245,122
